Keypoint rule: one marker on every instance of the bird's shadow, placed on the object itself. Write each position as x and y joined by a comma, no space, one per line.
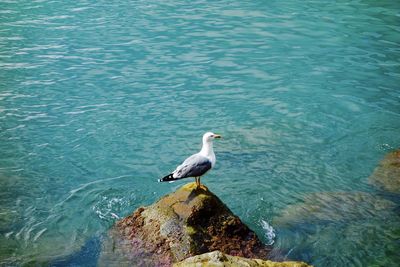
194,193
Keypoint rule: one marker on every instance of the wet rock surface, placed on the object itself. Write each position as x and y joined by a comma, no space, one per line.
387,174
182,224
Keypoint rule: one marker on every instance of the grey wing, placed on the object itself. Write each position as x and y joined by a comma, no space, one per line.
194,166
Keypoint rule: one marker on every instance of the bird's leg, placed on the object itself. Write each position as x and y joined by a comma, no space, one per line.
197,181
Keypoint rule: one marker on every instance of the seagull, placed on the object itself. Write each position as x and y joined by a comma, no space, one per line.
197,164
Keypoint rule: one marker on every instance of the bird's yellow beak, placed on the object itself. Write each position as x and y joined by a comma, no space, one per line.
217,136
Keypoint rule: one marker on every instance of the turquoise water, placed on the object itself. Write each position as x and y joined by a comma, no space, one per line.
98,99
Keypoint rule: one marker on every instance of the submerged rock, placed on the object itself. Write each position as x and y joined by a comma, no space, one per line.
343,227
183,224
325,207
217,258
387,174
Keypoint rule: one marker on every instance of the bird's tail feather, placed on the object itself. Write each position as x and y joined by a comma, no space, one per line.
168,178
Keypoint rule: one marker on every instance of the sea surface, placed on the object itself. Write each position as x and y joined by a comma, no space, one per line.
99,99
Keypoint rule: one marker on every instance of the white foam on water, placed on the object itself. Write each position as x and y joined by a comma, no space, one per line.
269,232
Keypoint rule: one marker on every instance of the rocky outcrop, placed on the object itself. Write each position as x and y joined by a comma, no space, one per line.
387,174
217,258
183,224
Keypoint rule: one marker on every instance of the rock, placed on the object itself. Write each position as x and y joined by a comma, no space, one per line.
387,174
217,258
183,224
341,227
325,207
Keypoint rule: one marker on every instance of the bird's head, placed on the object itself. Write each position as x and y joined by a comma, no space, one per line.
209,137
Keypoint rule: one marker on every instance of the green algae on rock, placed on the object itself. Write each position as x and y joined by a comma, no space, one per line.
217,258
387,174
182,224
